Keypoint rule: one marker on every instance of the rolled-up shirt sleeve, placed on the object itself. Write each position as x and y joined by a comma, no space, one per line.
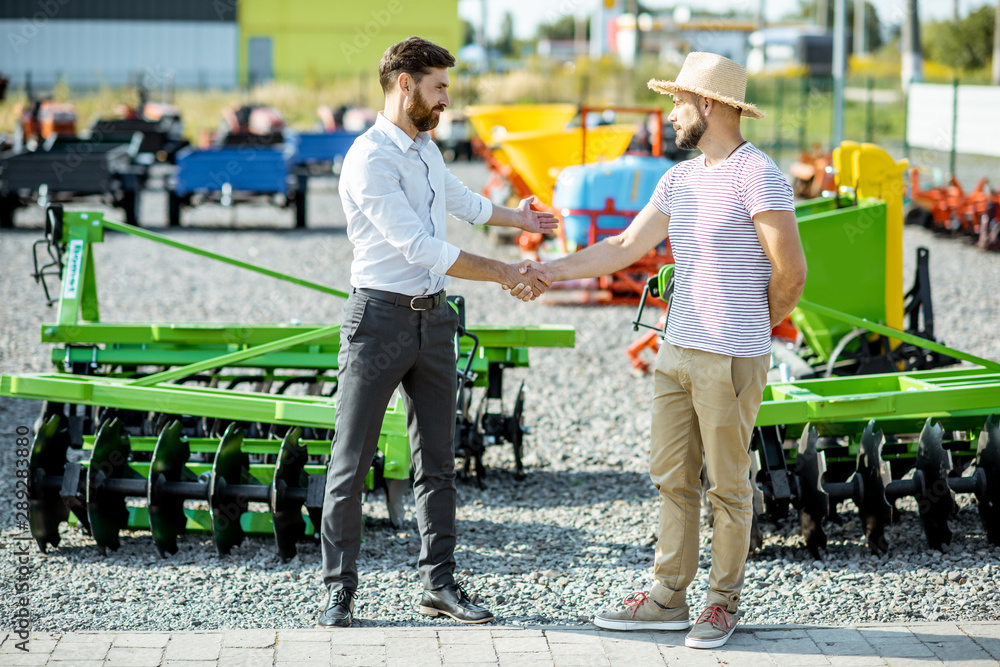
378,195
465,204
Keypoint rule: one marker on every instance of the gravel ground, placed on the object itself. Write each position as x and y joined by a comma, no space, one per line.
575,535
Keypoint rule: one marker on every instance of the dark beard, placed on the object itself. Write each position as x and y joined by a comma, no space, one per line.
692,136
421,114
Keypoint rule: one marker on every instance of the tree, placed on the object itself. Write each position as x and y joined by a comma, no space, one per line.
873,26
564,28
966,44
506,44
468,33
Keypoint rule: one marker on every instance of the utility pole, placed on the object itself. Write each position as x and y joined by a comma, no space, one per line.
633,7
822,13
579,35
860,27
839,55
996,49
482,35
912,55
597,30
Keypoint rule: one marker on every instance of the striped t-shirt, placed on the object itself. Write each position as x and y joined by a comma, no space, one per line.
720,302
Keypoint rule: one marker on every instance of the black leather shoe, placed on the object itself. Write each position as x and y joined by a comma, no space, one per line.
339,610
453,601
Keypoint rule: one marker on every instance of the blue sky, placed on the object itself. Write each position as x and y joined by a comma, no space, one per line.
529,13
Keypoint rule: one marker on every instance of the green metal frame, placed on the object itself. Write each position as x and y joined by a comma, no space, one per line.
182,344
959,398
846,249
206,346
194,348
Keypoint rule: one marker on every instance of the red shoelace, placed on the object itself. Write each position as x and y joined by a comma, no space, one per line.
635,600
717,616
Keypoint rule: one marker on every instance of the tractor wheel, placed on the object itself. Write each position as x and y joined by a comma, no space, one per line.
919,216
131,202
174,212
300,204
8,205
517,433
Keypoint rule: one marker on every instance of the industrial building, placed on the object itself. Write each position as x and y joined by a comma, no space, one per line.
293,40
208,43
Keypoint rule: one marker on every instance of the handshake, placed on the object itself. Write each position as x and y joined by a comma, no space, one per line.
528,280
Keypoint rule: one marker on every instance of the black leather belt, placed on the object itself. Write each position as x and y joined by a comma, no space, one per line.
412,302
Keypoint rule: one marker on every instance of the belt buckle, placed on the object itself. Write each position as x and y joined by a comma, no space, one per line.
413,302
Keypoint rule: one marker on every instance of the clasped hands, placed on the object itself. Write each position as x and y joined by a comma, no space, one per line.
534,278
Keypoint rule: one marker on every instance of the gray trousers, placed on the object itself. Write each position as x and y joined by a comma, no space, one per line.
383,346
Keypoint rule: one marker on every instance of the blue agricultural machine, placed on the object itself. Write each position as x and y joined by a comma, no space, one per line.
320,153
598,201
256,159
228,175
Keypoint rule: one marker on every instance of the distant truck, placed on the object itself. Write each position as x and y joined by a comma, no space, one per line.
783,48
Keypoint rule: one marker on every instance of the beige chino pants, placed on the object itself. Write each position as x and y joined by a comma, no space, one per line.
704,407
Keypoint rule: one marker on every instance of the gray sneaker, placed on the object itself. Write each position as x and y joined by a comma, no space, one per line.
642,612
713,628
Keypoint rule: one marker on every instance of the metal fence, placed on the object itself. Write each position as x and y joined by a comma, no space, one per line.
800,113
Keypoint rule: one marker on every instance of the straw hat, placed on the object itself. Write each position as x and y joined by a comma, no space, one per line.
711,75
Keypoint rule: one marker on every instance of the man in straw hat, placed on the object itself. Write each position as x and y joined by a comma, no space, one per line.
739,271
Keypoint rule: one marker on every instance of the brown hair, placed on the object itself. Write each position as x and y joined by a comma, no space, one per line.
416,57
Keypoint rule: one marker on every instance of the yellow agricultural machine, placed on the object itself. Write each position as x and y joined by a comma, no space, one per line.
579,172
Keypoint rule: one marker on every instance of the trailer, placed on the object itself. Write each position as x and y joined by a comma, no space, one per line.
230,175
320,153
161,139
67,169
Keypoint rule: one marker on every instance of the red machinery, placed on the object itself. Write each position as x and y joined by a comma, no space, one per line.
950,209
812,174
251,124
40,119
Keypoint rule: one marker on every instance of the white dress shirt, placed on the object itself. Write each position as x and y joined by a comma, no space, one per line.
396,193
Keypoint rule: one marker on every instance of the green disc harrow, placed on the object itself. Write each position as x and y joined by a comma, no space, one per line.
222,428
861,408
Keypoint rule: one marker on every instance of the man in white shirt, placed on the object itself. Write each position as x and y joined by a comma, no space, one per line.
398,330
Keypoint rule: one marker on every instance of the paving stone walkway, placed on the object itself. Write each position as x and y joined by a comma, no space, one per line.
915,645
